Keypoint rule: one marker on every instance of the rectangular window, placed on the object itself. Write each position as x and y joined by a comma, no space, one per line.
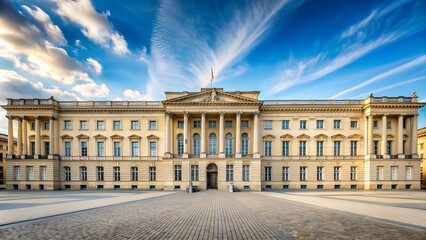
337,148
17,173
67,149
408,173
194,172
99,173
32,148
100,125
178,172
268,173
285,148
134,174
152,125
43,173
375,124
197,124
267,125
302,148
354,173
302,124
286,173
212,124
320,124
83,173
336,173
244,123
389,147
153,149
46,148
404,123
46,126
83,150
84,125
394,173
285,124
134,125
376,147
354,148
32,126
388,124
116,171
67,124
100,149
116,125
228,124
320,176
303,173
67,174
354,124
244,145
152,174
379,173
268,148
135,149
117,149
246,172
320,148
336,124
404,144
180,124
229,173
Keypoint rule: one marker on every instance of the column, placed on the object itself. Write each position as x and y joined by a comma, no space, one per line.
221,134
256,135
365,135
384,135
37,137
238,136
414,135
370,135
185,134
19,143
400,137
57,142
24,136
167,135
203,135
10,137
52,140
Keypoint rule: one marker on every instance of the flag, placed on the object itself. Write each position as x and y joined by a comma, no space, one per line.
212,77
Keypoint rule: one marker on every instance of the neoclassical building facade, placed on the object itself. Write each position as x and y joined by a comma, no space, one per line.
214,138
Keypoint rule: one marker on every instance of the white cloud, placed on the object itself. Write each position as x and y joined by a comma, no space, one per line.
133,95
95,66
92,89
52,31
94,25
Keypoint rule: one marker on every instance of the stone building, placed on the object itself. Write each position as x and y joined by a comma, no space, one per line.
214,138
3,153
421,141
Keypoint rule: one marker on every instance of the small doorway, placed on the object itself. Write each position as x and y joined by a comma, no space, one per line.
212,176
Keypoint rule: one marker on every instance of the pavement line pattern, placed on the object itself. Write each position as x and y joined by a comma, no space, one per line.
402,215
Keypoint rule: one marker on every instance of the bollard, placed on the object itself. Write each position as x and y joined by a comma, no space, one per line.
231,187
190,188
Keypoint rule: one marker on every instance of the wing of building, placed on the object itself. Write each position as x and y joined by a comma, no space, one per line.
212,139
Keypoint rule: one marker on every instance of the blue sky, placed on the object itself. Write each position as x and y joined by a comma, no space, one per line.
136,50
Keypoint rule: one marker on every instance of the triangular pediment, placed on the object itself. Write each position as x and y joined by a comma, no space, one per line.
303,136
338,136
270,136
116,136
211,96
355,136
66,136
152,136
286,136
99,136
321,136
134,136
82,136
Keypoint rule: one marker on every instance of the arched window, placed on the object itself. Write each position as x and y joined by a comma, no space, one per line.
212,143
228,144
180,144
244,144
197,140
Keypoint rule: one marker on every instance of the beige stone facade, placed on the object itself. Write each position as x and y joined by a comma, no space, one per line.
212,139
3,154
421,141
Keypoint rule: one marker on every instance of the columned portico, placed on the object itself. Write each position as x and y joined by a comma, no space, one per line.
256,153
370,135
19,143
10,140
37,138
167,136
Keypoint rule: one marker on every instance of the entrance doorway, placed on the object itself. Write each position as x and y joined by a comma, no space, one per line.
212,176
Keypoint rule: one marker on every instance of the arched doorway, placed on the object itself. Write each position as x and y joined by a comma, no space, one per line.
212,176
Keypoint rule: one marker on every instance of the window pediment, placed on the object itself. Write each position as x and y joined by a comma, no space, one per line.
338,136
269,136
286,136
99,136
66,136
44,136
303,136
355,136
134,136
377,135
152,136
321,136
116,136
82,136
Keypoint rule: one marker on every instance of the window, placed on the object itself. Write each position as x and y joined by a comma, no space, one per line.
302,124
404,143
134,125
320,124
394,173
100,125
268,173
83,173
153,149
116,171
376,147
117,149
180,124
180,144
302,148
244,144
178,172
320,148
83,150
354,124
116,125
336,124
229,173
212,124
100,173
267,125
285,124
32,126
285,148
268,148
67,149
67,173
379,173
83,125
336,173
134,174
404,123
67,124
17,173
353,173
197,124
408,171
43,173
46,126
153,125
389,147
244,123
375,124
135,149
302,173
100,149
320,176
30,173
337,148
286,173
246,172
212,143
388,124
354,148
228,124
228,144
197,143
46,148
194,172
152,174
32,148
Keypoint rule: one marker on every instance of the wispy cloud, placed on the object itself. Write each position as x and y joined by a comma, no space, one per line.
95,66
183,50
381,27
